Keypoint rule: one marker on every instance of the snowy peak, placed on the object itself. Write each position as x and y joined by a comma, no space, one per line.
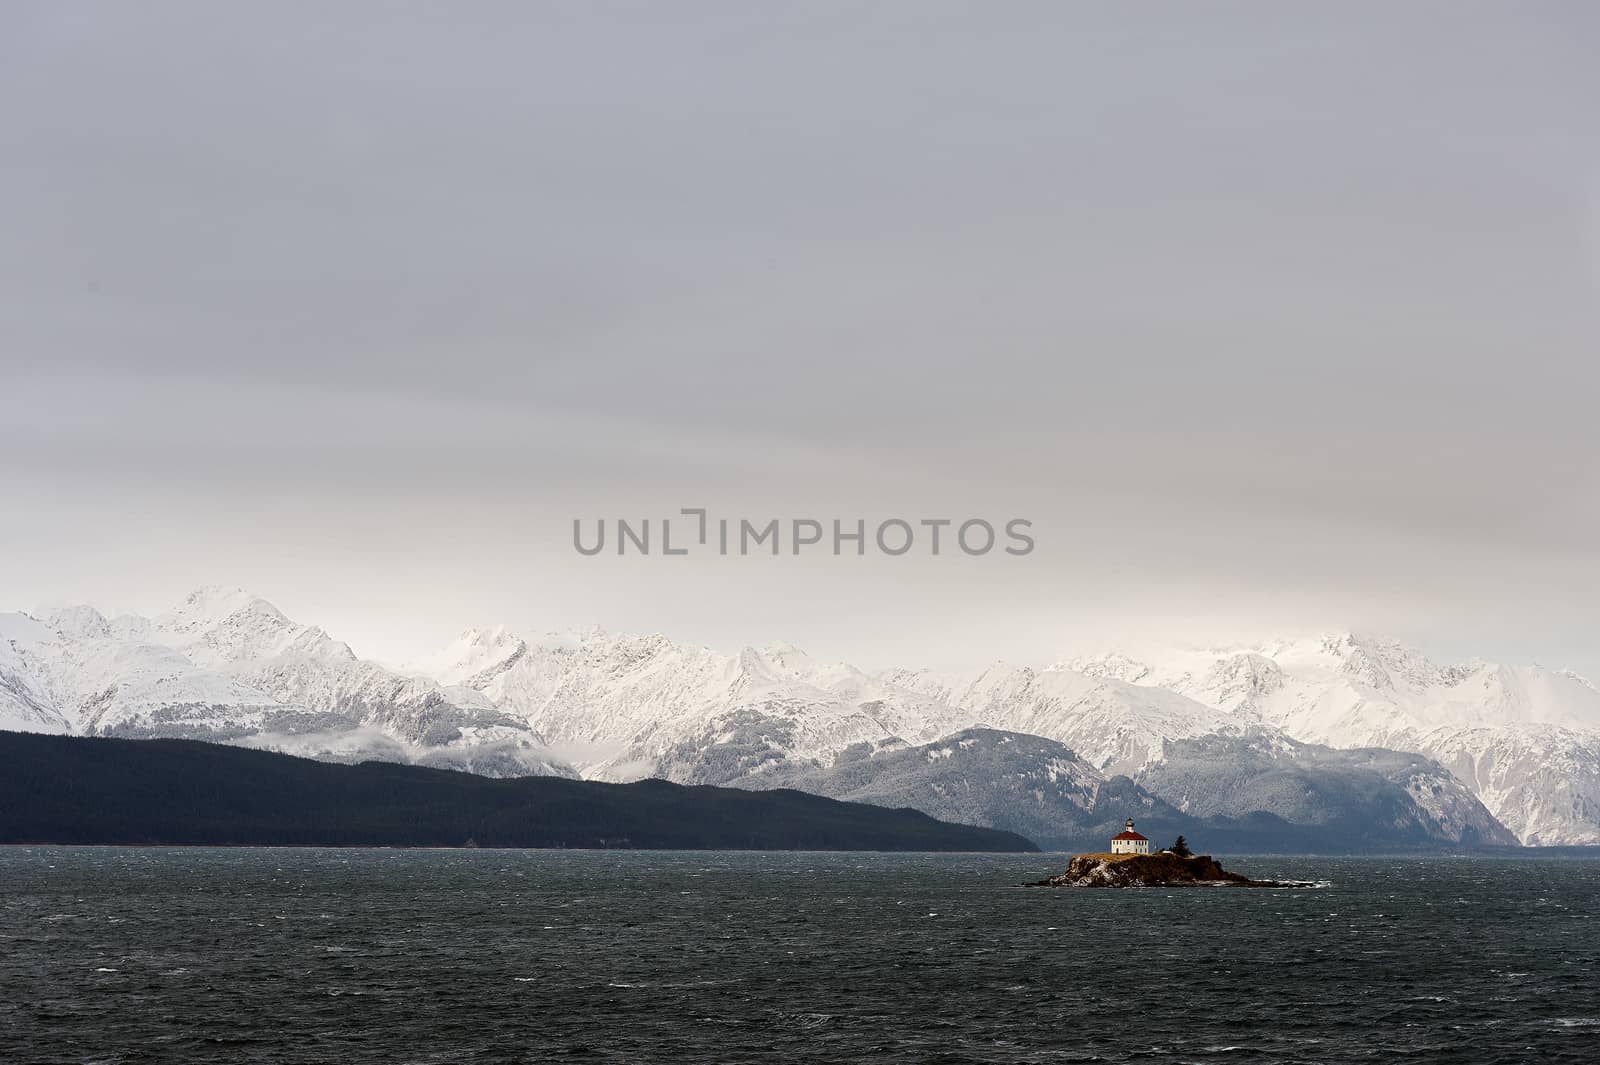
1389,666
628,705
788,660
25,705
222,627
73,674
206,607
1349,689
1113,666
228,666
1118,727
756,673
82,622
1243,680
474,652
1525,738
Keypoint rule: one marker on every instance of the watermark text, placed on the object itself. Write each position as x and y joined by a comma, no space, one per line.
694,531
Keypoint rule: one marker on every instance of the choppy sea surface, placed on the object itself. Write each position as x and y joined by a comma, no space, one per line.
265,955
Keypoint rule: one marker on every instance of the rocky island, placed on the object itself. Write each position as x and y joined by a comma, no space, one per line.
1148,870
1129,863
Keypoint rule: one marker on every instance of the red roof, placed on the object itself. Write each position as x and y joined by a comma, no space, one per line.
1131,835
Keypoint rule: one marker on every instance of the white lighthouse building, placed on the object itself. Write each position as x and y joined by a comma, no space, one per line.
1129,842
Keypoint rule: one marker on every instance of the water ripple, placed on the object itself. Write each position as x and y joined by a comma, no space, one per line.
417,957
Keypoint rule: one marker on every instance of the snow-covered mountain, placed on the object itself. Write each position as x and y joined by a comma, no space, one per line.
1371,796
619,706
85,677
25,705
1289,795
623,706
1348,691
227,666
1526,739
1038,787
1117,726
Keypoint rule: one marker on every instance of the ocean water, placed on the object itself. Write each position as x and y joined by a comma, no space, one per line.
268,955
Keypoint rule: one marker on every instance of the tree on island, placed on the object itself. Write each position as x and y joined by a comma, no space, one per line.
1180,847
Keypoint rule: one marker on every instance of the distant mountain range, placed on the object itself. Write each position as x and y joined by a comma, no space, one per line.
227,666
1336,742
1257,792
1524,739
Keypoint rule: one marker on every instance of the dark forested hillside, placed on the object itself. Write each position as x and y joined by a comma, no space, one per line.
68,789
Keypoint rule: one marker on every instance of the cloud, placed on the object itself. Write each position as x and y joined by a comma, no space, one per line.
1257,321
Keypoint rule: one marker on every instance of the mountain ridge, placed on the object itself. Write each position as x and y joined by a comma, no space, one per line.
226,664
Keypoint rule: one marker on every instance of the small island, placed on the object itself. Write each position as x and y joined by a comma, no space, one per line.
1129,863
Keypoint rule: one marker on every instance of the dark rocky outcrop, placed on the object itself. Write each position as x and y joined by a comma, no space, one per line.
1164,869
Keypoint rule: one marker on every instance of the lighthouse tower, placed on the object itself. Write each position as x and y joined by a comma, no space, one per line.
1129,842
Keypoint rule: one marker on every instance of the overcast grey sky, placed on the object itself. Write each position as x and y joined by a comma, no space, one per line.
1268,316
